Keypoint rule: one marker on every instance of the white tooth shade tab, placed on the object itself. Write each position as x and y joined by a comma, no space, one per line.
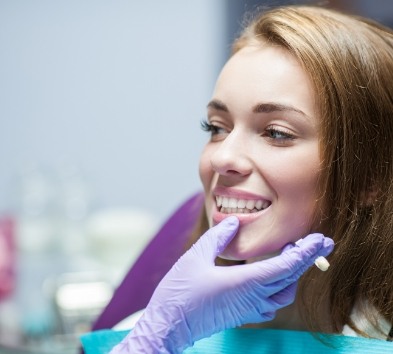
233,203
322,263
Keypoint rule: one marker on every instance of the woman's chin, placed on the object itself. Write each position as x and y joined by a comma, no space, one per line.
232,253
247,258
236,251
229,257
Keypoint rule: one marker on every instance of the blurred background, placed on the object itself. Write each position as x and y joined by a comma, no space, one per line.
100,110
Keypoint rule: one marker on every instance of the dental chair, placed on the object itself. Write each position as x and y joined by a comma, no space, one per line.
134,292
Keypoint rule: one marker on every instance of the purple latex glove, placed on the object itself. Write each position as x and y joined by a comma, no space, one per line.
196,298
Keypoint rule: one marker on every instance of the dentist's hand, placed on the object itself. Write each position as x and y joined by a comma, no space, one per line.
196,298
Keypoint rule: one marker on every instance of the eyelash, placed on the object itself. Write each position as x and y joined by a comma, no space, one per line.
285,135
269,132
209,128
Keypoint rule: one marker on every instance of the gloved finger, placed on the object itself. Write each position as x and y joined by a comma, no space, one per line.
313,243
256,317
268,316
278,300
269,290
284,297
294,261
299,258
214,240
288,246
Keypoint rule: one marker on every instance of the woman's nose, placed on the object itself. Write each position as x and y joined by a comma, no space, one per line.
231,156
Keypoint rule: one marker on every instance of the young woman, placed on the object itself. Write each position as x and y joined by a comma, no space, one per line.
301,124
330,159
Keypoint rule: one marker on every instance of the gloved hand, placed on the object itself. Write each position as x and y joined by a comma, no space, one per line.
196,299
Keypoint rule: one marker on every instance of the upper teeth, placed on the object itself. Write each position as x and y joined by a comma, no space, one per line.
234,203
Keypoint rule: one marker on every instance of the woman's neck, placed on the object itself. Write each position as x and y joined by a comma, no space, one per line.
286,318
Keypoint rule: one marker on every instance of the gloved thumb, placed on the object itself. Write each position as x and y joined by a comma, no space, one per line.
214,240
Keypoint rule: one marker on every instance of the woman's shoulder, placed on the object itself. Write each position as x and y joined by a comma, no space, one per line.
369,321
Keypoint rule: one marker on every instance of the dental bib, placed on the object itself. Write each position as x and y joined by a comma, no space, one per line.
253,341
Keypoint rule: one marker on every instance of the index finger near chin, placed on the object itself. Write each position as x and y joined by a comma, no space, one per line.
290,264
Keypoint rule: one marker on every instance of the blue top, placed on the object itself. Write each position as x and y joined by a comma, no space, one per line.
253,341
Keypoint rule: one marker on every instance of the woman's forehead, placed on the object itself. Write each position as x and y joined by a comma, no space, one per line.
266,74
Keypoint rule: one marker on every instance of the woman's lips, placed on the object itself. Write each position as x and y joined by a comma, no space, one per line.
244,218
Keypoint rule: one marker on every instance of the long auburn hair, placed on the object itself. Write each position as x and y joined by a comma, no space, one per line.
349,60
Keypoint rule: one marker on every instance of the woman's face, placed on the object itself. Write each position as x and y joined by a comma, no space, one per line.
262,161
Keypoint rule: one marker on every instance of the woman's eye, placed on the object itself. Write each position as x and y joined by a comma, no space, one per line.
211,128
279,135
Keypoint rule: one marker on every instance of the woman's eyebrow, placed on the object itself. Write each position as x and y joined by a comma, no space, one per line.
275,107
218,105
259,107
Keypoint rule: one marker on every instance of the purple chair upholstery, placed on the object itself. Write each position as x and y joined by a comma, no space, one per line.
161,253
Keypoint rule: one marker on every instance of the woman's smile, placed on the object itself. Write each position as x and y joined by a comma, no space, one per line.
240,206
246,206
